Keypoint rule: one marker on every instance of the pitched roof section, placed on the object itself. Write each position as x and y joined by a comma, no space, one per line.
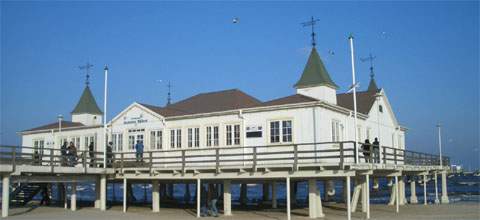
365,101
315,73
207,103
87,104
293,99
54,125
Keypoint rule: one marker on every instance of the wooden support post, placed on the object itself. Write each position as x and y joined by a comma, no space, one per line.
312,198
5,194
227,198
97,193
349,210
198,197
288,197
425,189
73,197
155,196
397,196
413,191
435,176
103,192
401,188
445,199
364,196
265,191
125,199
393,195
274,195
356,193
367,180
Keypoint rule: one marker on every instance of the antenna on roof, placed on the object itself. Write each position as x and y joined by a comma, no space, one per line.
86,67
312,23
369,58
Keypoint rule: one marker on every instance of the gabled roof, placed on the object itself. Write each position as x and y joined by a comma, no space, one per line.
54,125
365,101
207,102
87,104
293,99
315,73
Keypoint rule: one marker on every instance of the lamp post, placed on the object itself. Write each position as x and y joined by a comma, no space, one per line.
60,118
439,126
354,88
105,119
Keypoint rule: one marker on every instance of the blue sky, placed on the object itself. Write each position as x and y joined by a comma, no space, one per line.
427,57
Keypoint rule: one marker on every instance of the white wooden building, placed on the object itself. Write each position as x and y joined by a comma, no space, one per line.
232,118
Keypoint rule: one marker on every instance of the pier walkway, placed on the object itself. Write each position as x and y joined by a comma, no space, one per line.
311,162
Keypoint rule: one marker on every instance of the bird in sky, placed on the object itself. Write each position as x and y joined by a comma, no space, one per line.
235,20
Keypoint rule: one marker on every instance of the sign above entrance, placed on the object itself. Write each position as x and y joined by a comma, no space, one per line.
134,120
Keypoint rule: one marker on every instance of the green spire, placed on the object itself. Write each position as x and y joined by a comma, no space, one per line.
87,104
372,86
315,73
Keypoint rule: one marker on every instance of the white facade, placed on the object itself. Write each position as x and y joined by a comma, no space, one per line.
324,93
87,119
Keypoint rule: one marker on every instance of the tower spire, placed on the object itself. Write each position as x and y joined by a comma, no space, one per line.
86,67
372,86
312,23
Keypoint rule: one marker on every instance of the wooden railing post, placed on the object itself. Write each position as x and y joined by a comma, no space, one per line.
341,156
217,160
395,155
254,166
121,160
51,160
84,161
183,161
295,157
384,152
150,155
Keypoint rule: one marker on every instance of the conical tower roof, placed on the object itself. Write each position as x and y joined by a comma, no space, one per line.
315,73
87,104
372,86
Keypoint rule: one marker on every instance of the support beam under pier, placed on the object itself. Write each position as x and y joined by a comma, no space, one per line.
227,198
314,202
425,189
287,187
413,191
274,195
444,188
103,192
97,193
5,195
199,193
73,197
155,196
125,195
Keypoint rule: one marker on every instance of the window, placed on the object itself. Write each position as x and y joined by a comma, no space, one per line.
380,108
194,137
131,142
369,133
233,134
117,140
400,142
197,137
359,134
156,140
190,137
287,131
38,145
335,131
215,136
274,131
76,142
88,141
393,139
172,138
179,138
281,129
209,136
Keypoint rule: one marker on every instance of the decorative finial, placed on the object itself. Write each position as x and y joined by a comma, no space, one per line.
169,98
312,23
370,58
106,67
86,67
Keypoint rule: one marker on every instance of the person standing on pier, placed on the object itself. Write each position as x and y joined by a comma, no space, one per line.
63,151
213,199
376,150
139,151
367,151
109,154
72,154
91,154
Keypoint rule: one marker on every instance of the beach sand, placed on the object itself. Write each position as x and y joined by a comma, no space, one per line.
432,212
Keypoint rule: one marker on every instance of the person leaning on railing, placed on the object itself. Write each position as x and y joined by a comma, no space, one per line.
366,148
139,151
376,150
36,158
63,152
91,154
72,155
109,154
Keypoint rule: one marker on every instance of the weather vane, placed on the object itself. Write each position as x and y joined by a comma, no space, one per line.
169,98
86,67
312,23
369,58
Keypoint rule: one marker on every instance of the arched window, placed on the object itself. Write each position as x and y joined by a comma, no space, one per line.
380,108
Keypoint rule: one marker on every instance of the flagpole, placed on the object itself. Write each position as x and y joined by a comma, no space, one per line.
105,119
354,87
